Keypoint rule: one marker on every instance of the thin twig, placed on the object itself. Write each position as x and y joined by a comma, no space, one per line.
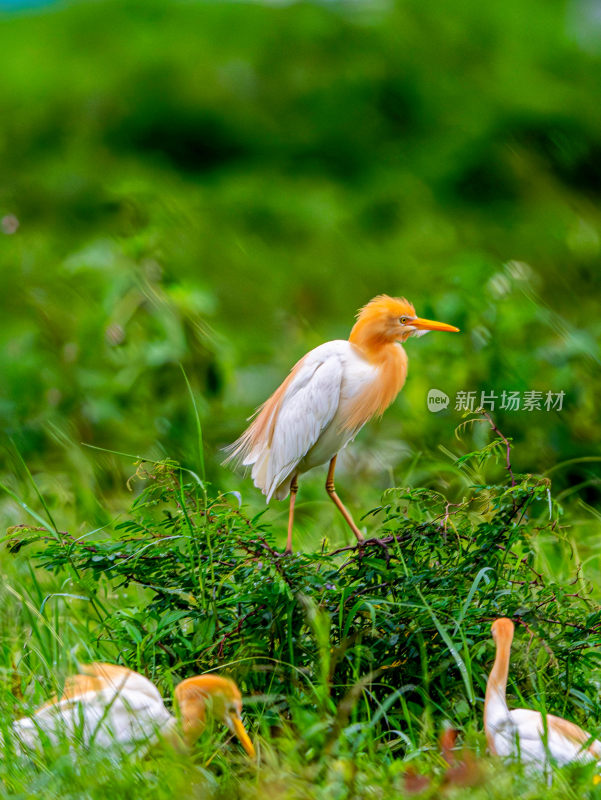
534,635
594,629
507,445
237,629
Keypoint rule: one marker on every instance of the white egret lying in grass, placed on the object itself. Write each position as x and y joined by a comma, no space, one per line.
109,705
521,733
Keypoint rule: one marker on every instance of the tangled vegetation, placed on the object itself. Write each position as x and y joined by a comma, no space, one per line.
363,648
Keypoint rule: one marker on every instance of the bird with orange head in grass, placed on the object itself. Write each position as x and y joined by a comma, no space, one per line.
522,734
326,399
113,706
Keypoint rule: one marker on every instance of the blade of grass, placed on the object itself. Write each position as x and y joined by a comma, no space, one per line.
201,455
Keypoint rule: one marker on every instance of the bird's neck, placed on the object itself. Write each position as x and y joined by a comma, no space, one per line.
387,381
496,687
373,343
193,713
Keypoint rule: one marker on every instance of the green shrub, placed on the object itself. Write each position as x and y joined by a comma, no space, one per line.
390,632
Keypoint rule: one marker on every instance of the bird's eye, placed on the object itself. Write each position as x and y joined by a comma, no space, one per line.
403,320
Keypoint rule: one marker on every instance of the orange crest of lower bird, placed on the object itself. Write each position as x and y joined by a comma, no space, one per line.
502,627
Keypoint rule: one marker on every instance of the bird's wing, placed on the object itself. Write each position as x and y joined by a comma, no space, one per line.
97,676
117,676
128,718
295,416
524,733
570,736
306,410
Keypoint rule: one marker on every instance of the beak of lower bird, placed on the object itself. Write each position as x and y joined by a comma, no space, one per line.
431,325
240,731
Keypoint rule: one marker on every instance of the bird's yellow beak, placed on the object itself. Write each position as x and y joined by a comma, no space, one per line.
430,325
241,733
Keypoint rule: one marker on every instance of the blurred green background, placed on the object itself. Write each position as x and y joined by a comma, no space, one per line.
222,185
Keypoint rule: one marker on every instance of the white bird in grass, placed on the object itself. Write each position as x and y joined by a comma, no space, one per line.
523,734
326,399
112,706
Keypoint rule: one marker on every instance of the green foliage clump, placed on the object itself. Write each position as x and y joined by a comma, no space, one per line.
389,632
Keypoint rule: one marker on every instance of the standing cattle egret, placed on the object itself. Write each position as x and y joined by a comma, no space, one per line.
110,706
326,399
521,733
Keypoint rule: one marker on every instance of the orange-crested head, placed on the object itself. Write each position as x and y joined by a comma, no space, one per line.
385,320
502,629
208,686
218,694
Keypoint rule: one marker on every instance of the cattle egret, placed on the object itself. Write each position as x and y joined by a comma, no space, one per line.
521,733
326,399
110,705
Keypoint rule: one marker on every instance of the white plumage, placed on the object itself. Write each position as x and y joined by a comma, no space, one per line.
308,426
520,733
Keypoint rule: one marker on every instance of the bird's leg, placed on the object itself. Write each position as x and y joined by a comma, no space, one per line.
331,490
293,491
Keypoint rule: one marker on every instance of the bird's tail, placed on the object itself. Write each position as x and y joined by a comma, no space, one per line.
252,448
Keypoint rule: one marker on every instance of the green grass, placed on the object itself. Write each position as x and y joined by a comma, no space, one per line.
351,664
